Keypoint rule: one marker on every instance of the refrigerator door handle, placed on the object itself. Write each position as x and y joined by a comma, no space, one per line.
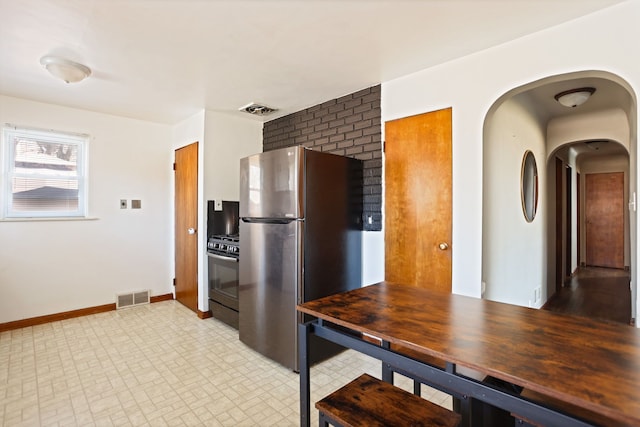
270,220
300,262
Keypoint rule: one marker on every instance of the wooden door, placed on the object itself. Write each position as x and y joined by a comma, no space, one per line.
579,217
604,217
186,222
559,222
567,214
418,200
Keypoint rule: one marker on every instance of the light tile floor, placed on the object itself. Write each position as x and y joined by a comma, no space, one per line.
157,365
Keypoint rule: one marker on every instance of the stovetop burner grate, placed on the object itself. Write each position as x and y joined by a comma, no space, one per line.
227,244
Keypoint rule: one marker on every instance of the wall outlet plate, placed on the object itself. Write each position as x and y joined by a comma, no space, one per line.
123,203
217,205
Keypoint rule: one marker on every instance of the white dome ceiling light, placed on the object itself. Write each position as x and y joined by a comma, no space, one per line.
575,97
64,69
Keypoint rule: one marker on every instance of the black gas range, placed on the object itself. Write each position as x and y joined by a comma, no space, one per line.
224,252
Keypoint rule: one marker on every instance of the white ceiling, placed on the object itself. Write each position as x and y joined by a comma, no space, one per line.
164,60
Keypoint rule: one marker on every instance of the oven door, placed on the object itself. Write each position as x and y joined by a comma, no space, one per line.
223,280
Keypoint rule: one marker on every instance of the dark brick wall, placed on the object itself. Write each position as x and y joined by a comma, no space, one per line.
349,126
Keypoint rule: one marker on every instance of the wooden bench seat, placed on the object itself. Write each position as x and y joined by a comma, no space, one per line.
367,401
567,408
491,416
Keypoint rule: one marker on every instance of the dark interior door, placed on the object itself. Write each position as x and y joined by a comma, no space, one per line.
568,211
579,222
558,234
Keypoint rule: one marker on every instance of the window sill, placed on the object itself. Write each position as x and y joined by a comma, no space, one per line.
38,219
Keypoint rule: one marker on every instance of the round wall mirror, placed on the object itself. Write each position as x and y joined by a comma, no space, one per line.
529,186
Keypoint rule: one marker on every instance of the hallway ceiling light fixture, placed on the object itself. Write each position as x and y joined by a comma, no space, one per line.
574,97
64,69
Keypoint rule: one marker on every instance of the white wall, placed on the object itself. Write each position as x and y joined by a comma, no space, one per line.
514,263
227,139
55,266
372,257
472,84
189,130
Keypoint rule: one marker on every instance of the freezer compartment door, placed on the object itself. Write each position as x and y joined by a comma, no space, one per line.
271,184
270,276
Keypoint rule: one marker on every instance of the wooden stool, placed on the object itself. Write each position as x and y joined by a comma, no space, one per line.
367,401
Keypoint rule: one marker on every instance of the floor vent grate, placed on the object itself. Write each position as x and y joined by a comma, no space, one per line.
131,299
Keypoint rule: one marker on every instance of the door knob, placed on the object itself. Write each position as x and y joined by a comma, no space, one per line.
443,246
191,231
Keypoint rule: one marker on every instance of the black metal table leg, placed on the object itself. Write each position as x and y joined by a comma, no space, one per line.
387,373
304,330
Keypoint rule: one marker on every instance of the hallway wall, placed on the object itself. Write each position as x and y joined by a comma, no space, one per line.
611,124
514,251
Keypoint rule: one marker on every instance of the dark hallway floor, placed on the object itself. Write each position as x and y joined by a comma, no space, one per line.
598,293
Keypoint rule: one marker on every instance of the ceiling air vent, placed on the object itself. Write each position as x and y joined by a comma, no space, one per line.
257,109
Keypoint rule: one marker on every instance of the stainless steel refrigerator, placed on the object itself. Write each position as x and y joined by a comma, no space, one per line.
300,239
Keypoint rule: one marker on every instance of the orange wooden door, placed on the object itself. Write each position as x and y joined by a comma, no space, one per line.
186,222
604,218
418,200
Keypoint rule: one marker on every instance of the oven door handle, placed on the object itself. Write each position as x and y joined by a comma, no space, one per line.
222,257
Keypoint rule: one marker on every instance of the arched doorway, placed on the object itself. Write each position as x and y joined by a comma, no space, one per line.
522,260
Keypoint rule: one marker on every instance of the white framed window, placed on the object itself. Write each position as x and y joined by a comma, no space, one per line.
45,174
